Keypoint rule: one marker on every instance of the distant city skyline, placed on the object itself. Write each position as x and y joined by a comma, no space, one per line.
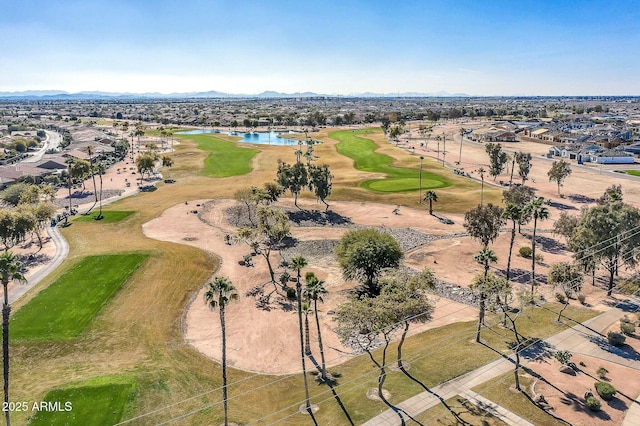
480,48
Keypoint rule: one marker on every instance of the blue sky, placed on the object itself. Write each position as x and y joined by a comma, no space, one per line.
334,47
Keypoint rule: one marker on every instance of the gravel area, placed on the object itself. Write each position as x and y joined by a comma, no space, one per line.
310,249
82,197
456,293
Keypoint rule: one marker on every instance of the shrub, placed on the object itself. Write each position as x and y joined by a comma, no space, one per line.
284,278
582,298
525,252
605,390
627,328
602,372
616,339
539,259
291,293
592,403
560,298
563,357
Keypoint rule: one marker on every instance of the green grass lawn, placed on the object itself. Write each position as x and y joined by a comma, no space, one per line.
225,158
500,391
68,305
633,172
362,151
108,216
468,412
101,401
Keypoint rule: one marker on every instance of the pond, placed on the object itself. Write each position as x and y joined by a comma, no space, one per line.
258,138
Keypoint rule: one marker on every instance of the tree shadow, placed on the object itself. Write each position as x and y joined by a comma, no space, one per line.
443,219
34,259
550,245
459,420
625,351
523,276
617,404
560,206
626,305
579,198
476,411
540,350
331,383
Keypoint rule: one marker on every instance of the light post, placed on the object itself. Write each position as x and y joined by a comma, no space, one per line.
420,180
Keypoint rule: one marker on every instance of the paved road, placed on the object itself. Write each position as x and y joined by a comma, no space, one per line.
582,339
51,142
62,250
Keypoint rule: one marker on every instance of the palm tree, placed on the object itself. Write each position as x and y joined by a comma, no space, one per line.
298,263
484,257
481,172
10,270
100,169
430,196
306,310
314,291
69,162
514,213
219,293
462,133
125,127
139,132
167,162
537,210
93,176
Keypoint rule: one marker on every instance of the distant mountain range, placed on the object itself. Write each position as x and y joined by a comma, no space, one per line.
63,95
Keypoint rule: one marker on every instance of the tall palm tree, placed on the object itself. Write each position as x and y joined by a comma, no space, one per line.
314,291
537,210
10,270
306,310
481,172
100,169
93,175
125,127
484,257
219,293
462,133
513,213
69,162
139,132
430,196
298,263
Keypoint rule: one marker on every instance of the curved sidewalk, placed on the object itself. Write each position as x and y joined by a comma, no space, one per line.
578,339
62,250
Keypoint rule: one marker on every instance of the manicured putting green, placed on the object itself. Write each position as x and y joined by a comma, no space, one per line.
101,401
67,306
633,172
399,179
225,158
108,216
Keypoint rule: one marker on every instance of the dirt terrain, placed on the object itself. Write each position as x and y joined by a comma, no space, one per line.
255,344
